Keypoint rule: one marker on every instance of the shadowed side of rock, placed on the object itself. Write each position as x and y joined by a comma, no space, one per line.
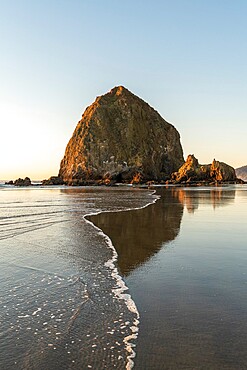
53,180
20,182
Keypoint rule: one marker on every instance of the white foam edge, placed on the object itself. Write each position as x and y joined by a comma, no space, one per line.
121,287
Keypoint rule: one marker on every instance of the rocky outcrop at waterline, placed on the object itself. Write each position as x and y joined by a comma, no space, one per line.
120,138
20,182
193,172
53,180
157,225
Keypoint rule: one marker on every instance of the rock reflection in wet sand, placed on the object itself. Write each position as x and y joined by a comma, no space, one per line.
138,234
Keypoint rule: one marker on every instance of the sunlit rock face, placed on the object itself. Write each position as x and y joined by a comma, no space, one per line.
121,138
192,171
221,171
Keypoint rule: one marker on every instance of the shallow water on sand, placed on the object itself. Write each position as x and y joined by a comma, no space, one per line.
63,304
184,260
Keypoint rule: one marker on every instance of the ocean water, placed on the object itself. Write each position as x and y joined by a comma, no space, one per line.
184,259
63,304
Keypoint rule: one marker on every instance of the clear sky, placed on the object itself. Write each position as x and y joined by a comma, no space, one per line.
186,58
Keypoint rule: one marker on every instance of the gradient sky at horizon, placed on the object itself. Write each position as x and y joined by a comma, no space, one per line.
186,58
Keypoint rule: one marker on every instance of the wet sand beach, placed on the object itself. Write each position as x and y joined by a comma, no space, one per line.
184,261
174,295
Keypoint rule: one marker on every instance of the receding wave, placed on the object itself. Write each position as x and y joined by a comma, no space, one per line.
63,300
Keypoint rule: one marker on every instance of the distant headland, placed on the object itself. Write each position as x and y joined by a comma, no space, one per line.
122,139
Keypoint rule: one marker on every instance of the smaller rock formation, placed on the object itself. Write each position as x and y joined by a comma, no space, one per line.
193,172
53,180
22,182
221,171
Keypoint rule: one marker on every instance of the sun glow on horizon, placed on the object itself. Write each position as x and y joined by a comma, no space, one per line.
27,146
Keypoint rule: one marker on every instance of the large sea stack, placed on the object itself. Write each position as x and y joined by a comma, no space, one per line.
121,138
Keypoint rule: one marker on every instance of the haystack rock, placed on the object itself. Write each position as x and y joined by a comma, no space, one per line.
192,171
121,138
